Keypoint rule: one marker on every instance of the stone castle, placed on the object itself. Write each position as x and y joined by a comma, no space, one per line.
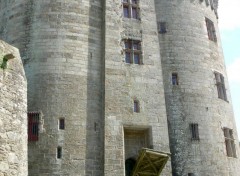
106,78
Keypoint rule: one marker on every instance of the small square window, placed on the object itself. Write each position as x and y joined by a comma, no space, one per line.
162,27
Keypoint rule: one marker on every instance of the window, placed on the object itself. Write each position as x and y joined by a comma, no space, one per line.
61,124
136,107
220,86
229,142
132,51
33,123
162,27
194,131
131,9
211,30
190,174
174,79
59,152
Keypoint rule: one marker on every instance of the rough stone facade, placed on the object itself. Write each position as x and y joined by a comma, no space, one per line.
75,62
13,113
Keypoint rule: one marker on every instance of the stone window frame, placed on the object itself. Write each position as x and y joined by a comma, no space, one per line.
211,30
194,131
229,142
220,83
132,48
131,9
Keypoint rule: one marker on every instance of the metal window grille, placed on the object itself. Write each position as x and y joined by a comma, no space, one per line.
229,142
194,131
220,86
33,126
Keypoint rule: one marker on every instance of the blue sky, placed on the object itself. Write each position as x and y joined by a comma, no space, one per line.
229,25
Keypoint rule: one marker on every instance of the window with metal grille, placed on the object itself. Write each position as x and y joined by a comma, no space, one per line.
229,142
136,107
162,27
33,124
220,86
133,52
131,9
194,131
211,30
61,124
174,79
59,152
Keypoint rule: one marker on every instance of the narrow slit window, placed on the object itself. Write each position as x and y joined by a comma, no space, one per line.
59,152
136,107
62,124
33,125
174,79
194,131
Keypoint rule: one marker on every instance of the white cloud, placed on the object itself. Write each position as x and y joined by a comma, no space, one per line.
229,14
233,71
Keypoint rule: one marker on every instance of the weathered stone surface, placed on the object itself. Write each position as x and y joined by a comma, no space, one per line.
13,114
73,54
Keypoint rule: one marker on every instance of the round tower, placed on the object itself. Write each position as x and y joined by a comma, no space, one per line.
203,136
61,47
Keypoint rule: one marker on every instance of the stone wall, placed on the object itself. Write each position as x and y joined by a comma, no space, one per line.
127,82
13,113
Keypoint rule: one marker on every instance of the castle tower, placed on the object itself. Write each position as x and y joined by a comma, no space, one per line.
203,136
61,47
99,74
95,88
